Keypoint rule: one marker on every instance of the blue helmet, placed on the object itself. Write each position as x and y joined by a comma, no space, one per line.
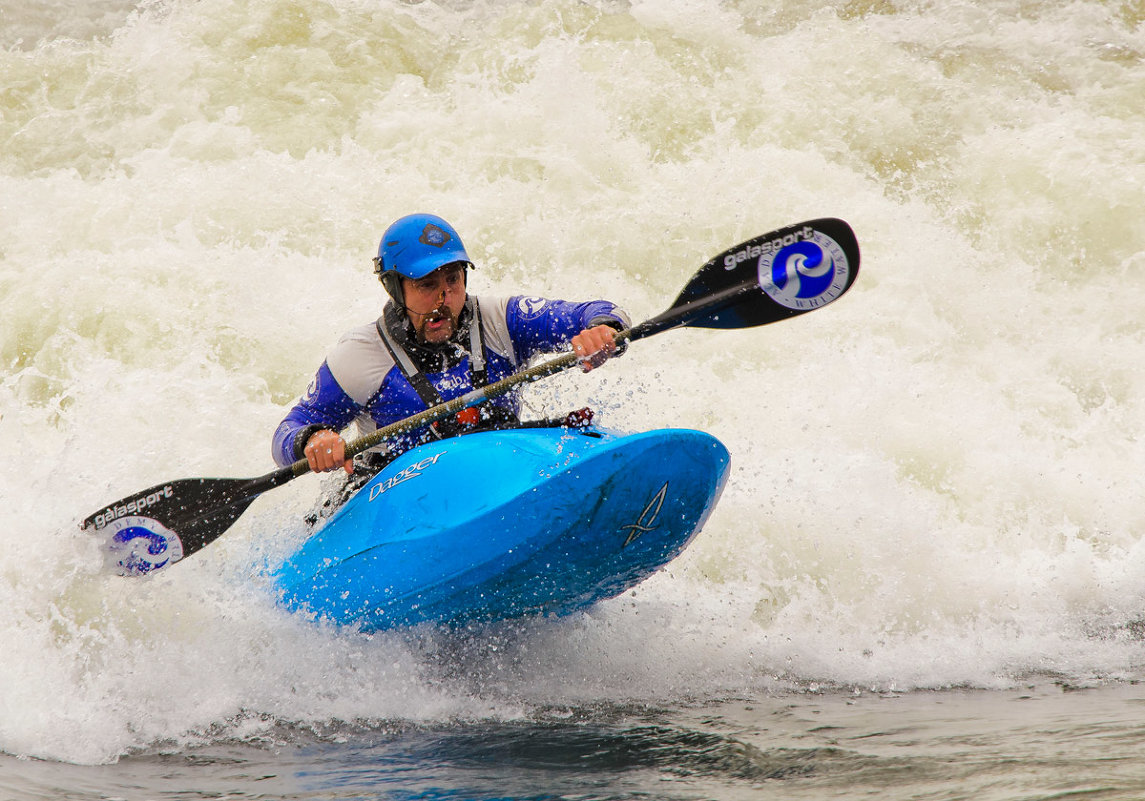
414,246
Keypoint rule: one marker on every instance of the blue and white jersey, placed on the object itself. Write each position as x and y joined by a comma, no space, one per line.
360,382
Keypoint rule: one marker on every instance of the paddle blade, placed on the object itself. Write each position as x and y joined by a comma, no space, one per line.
153,529
783,273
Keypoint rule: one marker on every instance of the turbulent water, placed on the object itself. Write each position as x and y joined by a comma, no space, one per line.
932,529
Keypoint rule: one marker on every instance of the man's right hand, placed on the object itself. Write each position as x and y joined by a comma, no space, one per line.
326,451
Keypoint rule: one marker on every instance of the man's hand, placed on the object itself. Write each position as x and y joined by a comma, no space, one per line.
594,346
326,451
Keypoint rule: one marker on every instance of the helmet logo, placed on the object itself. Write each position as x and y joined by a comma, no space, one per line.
434,236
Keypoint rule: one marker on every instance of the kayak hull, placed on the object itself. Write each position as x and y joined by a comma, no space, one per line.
506,524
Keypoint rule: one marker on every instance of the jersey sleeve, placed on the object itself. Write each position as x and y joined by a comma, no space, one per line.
537,325
324,406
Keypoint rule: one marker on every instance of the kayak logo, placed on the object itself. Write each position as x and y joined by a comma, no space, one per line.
805,274
647,520
139,545
131,507
407,474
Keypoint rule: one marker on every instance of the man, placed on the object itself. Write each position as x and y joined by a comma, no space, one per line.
433,342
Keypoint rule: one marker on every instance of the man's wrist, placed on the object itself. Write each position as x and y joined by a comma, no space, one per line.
303,436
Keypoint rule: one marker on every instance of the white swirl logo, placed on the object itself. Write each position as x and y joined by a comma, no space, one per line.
806,274
530,307
139,545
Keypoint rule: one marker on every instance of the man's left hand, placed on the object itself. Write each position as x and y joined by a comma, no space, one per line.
594,346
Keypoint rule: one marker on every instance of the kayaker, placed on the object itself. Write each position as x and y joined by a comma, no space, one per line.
433,342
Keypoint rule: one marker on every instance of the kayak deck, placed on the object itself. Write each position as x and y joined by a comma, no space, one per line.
505,524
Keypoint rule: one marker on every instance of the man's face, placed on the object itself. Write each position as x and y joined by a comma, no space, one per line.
434,303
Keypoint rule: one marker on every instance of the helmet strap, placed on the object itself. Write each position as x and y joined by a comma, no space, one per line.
393,284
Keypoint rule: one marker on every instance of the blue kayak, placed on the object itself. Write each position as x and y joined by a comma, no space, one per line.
506,524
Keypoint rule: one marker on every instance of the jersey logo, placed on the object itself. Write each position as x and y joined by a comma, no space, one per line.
311,395
530,308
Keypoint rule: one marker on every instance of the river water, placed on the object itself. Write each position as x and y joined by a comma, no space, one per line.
926,577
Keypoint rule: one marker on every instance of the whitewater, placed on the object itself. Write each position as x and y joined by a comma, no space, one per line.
929,548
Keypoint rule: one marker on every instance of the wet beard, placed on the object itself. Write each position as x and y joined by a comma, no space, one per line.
442,312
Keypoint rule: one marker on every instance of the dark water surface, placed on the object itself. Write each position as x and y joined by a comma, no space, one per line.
1043,742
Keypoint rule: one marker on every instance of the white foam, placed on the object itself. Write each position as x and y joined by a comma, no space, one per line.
936,481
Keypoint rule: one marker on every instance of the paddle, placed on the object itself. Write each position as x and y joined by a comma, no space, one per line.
775,276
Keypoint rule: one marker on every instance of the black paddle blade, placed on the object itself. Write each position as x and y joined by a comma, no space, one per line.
155,528
775,276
